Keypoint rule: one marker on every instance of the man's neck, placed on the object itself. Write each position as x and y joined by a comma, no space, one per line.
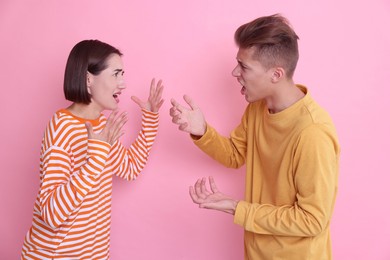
285,95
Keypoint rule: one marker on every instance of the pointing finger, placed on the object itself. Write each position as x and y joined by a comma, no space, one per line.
174,102
110,119
136,100
190,102
203,187
213,186
179,107
194,197
88,125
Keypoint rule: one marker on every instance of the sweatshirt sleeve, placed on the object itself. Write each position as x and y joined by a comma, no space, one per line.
316,171
128,163
229,151
62,191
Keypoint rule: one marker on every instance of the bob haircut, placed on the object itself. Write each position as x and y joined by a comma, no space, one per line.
86,56
275,41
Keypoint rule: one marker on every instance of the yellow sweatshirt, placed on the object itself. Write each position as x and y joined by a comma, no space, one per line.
292,161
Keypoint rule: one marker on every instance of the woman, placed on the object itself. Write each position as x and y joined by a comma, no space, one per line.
81,152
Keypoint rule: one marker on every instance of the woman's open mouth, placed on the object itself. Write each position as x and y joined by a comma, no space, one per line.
116,97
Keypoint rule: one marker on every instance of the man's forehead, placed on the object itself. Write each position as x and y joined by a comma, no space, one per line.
245,53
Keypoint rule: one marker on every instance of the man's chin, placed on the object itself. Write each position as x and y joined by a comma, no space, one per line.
248,99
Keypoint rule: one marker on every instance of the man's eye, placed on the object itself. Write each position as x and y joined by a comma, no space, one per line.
242,67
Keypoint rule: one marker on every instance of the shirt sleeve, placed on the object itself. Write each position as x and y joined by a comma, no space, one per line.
62,191
229,151
316,171
128,163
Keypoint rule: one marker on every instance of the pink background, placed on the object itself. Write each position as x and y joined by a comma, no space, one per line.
344,61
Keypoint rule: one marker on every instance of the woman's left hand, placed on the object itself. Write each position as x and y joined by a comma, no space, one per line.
154,101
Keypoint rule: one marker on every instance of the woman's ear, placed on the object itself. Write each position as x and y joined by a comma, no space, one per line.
89,82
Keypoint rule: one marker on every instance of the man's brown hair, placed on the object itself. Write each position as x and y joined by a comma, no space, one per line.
275,42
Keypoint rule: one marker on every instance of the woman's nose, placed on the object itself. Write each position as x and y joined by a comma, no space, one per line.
122,85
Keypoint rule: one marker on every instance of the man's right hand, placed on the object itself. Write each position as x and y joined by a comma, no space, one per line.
213,199
190,120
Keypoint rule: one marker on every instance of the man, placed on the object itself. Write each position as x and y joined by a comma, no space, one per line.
288,143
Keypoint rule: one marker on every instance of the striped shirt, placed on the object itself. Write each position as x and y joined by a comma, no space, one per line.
72,211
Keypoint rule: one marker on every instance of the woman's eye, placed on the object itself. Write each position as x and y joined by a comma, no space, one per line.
116,74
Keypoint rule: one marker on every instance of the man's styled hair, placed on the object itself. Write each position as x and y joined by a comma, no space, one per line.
275,41
86,56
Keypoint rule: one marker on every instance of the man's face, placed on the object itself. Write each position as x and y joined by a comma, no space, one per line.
251,74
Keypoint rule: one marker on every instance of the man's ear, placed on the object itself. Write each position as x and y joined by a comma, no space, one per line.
277,74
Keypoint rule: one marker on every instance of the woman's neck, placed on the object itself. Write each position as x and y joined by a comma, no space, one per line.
84,111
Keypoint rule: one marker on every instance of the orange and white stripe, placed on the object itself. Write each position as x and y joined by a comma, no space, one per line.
72,212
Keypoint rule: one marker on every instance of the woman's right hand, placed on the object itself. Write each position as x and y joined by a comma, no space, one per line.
155,100
113,129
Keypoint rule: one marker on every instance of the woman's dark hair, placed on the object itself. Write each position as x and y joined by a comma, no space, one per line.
86,56
275,41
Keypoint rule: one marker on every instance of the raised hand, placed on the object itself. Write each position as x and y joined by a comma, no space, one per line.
213,199
113,129
189,120
154,101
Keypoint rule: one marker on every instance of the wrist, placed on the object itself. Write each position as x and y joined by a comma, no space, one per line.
204,128
196,135
234,206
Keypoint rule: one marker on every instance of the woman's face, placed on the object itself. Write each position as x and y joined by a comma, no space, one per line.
106,87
